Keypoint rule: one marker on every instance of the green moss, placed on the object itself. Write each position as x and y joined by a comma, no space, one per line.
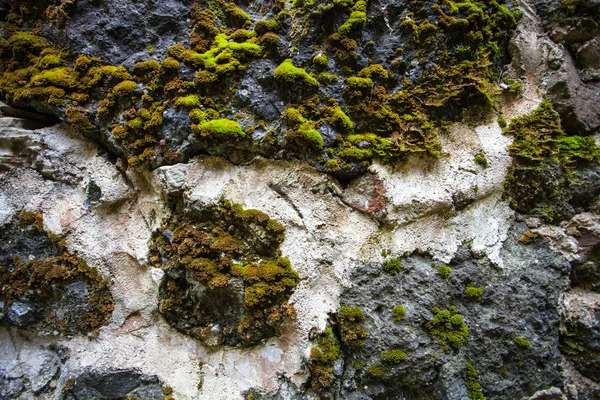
60,77
357,83
190,101
444,271
24,42
474,293
544,159
521,342
480,159
352,333
399,313
393,265
125,89
145,67
358,364
215,244
170,64
79,120
327,78
221,129
448,325
375,370
268,25
374,71
288,74
357,18
472,381
392,356
320,61
236,16
322,360
304,138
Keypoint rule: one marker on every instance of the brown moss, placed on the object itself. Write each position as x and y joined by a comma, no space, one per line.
205,243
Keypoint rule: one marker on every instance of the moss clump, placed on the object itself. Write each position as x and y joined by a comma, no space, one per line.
481,160
145,67
353,334
322,360
60,77
472,381
233,255
288,74
40,271
393,265
221,129
522,342
444,271
376,371
304,139
268,25
79,120
544,160
474,293
190,101
169,64
236,17
448,325
392,356
125,89
399,313
320,61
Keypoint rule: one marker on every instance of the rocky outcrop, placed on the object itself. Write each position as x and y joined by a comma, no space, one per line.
275,200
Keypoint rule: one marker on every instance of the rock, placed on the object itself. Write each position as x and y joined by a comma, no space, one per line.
115,384
366,194
257,91
120,32
177,127
40,368
580,332
20,123
518,303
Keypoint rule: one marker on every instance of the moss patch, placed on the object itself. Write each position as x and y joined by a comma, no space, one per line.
58,288
448,325
231,257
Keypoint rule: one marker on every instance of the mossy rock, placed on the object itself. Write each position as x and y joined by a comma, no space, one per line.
226,281
44,286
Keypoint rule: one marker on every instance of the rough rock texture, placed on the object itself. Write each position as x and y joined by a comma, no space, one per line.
256,235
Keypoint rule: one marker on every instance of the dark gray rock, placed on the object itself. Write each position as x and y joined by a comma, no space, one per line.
520,300
120,32
115,385
176,129
258,92
10,388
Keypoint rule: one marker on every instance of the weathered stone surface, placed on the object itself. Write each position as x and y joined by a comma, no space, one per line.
121,32
521,301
